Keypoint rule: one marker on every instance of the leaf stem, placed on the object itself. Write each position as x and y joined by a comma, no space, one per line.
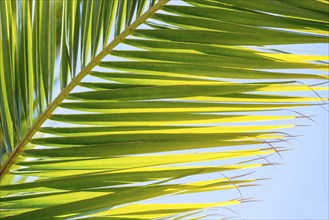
75,81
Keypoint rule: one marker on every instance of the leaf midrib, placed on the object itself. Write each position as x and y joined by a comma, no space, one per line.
74,82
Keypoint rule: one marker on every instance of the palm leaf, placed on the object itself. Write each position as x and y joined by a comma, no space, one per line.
28,71
162,118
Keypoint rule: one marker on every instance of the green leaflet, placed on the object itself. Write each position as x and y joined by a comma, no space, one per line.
171,106
130,117
126,148
223,38
211,60
108,8
197,70
195,23
6,101
158,92
95,27
114,198
203,48
64,51
314,5
128,162
142,80
246,17
127,138
286,8
85,42
102,179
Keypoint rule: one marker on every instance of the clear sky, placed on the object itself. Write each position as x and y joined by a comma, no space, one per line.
299,188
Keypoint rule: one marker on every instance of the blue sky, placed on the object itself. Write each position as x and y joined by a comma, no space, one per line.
299,188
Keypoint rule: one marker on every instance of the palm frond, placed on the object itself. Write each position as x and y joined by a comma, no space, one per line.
166,114
43,42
